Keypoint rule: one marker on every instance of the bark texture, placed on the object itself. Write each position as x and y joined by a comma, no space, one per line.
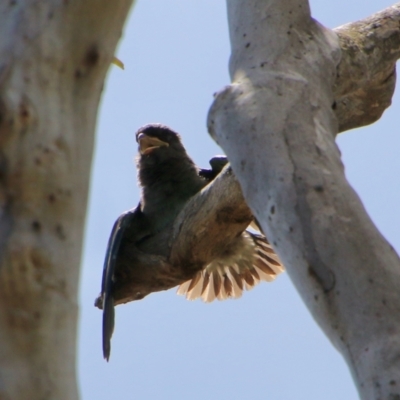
366,75
53,59
277,126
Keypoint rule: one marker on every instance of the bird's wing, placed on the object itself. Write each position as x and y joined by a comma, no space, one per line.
123,222
249,260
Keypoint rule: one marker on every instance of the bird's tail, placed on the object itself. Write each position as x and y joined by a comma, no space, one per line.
108,324
252,260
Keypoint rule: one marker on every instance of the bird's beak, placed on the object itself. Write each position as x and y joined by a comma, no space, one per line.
147,143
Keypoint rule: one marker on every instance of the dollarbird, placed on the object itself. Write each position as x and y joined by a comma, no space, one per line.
169,179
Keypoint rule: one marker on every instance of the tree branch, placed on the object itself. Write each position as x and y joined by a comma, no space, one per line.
366,74
276,125
53,60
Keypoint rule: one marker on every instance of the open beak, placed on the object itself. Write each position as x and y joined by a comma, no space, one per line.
147,143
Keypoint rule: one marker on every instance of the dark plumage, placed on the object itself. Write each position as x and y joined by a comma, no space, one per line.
217,165
169,178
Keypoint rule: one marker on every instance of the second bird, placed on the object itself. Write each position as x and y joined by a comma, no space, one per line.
169,178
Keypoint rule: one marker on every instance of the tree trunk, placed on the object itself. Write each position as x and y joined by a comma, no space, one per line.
54,57
277,125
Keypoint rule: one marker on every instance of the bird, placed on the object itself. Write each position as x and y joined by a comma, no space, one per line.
169,178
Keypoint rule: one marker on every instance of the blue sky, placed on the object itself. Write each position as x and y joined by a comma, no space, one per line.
265,345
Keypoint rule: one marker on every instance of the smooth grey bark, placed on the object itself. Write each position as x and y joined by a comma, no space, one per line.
54,56
366,74
277,125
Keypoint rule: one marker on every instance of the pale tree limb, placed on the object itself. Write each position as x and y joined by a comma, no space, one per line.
366,75
276,125
53,59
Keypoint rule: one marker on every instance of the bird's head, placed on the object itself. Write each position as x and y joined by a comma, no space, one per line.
162,156
158,142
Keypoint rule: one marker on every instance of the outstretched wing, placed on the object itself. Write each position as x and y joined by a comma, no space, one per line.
123,222
249,260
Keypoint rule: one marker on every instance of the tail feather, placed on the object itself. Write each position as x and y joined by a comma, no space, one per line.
196,291
209,295
222,292
237,290
236,277
252,261
228,286
194,282
108,325
183,288
254,272
217,280
265,276
267,269
248,278
206,281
